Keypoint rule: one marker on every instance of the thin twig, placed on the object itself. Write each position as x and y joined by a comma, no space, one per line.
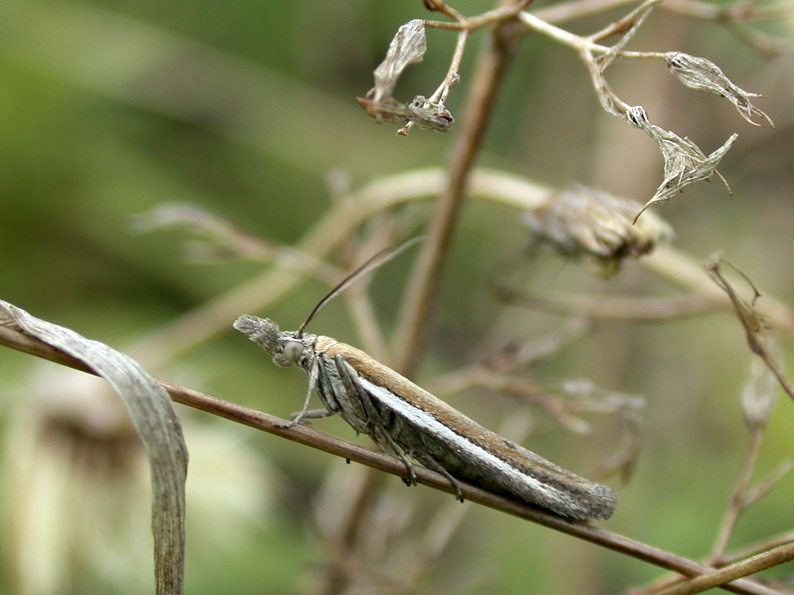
451,79
613,307
506,12
760,546
742,10
721,577
736,502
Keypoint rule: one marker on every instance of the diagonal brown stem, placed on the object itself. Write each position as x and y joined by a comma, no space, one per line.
426,276
719,578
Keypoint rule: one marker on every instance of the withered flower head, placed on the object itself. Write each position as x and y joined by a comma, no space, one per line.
583,222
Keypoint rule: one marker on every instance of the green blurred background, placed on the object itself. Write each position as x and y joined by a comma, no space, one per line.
108,109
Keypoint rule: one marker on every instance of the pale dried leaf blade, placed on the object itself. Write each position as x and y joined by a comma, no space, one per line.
705,76
156,424
407,47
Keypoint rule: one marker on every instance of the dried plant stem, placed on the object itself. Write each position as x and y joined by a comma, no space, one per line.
588,44
452,73
737,499
576,9
732,12
202,323
613,307
761,546
557,34
506,12
585,44
313,438
720,578
426,277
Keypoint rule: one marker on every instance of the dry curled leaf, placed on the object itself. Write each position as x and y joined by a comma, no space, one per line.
755,324
703,75
408,46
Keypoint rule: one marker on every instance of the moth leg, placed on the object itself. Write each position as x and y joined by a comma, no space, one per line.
381,436
377,428
434,465
310,414
314,373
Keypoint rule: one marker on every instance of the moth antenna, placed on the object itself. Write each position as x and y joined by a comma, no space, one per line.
372,263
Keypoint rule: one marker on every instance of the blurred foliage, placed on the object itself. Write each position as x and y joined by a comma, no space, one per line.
110,108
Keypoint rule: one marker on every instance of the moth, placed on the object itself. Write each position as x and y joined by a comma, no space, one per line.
409,422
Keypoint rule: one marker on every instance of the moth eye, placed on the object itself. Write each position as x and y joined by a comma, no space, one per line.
292,351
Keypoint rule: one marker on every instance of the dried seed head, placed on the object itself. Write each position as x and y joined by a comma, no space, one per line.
586,222
703,75
758,395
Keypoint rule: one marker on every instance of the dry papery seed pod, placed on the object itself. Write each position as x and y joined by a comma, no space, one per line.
407,47
705,76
